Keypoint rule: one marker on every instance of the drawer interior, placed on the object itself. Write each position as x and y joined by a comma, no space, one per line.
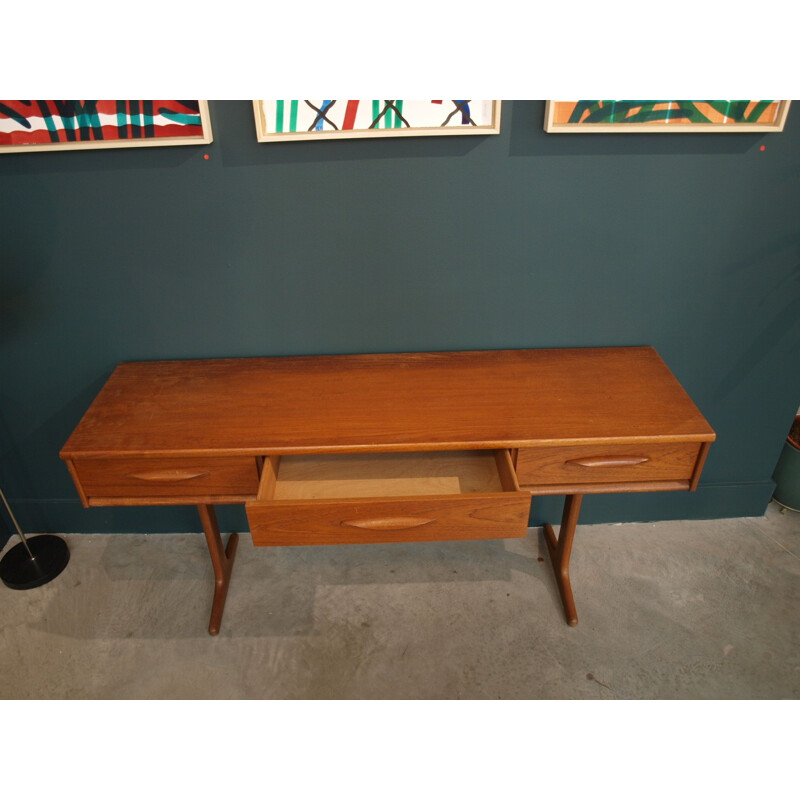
351,475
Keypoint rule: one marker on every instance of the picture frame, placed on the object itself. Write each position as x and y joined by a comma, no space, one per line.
39,125
306,120
665,116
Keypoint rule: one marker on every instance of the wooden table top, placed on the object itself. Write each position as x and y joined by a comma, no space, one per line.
387,402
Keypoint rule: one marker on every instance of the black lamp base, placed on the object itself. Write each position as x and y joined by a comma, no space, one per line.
19,571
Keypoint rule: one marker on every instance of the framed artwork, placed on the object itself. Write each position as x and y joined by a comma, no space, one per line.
665,116
285,120
29,125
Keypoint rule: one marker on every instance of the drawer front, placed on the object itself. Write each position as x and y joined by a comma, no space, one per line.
615,464
167,477
392,519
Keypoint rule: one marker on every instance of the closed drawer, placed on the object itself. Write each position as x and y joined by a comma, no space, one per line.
357,499
168,477
613,464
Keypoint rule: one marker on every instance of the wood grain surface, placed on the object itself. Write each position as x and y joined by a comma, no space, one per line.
389,519
387,402
607,463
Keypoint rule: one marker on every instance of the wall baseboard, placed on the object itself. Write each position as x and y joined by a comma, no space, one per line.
710,501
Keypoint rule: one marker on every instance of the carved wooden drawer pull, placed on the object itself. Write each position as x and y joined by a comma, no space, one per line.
161,475
388,524
609,461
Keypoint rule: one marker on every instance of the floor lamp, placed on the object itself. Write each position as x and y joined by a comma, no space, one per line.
33,562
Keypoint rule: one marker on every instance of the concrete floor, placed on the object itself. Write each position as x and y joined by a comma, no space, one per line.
694,610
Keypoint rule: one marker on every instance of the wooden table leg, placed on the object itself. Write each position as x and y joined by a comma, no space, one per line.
222,561
560,550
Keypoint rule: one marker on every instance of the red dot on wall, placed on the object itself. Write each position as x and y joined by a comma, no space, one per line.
206,156
763,148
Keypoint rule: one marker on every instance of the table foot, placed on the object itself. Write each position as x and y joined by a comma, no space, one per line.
221,560
560,550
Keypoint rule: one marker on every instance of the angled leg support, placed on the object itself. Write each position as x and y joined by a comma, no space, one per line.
222,561
560,550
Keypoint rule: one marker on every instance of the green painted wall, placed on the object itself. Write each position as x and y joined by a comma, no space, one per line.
687,242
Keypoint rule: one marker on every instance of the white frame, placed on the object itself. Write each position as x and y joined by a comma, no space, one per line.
263,135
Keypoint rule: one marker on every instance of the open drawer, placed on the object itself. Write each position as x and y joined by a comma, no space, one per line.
388,497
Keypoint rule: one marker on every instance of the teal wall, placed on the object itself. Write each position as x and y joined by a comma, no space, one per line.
687,242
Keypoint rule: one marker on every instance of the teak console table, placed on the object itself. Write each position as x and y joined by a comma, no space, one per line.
388,448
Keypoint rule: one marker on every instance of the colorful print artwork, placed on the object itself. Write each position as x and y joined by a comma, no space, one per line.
70,124
665,116
325,119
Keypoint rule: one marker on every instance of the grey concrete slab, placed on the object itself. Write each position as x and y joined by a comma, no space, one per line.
699,609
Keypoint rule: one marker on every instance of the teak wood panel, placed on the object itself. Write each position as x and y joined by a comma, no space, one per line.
188,477
387,402
610,464
390,519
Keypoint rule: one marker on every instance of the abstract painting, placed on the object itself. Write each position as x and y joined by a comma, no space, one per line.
27,125
665,116
282,120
